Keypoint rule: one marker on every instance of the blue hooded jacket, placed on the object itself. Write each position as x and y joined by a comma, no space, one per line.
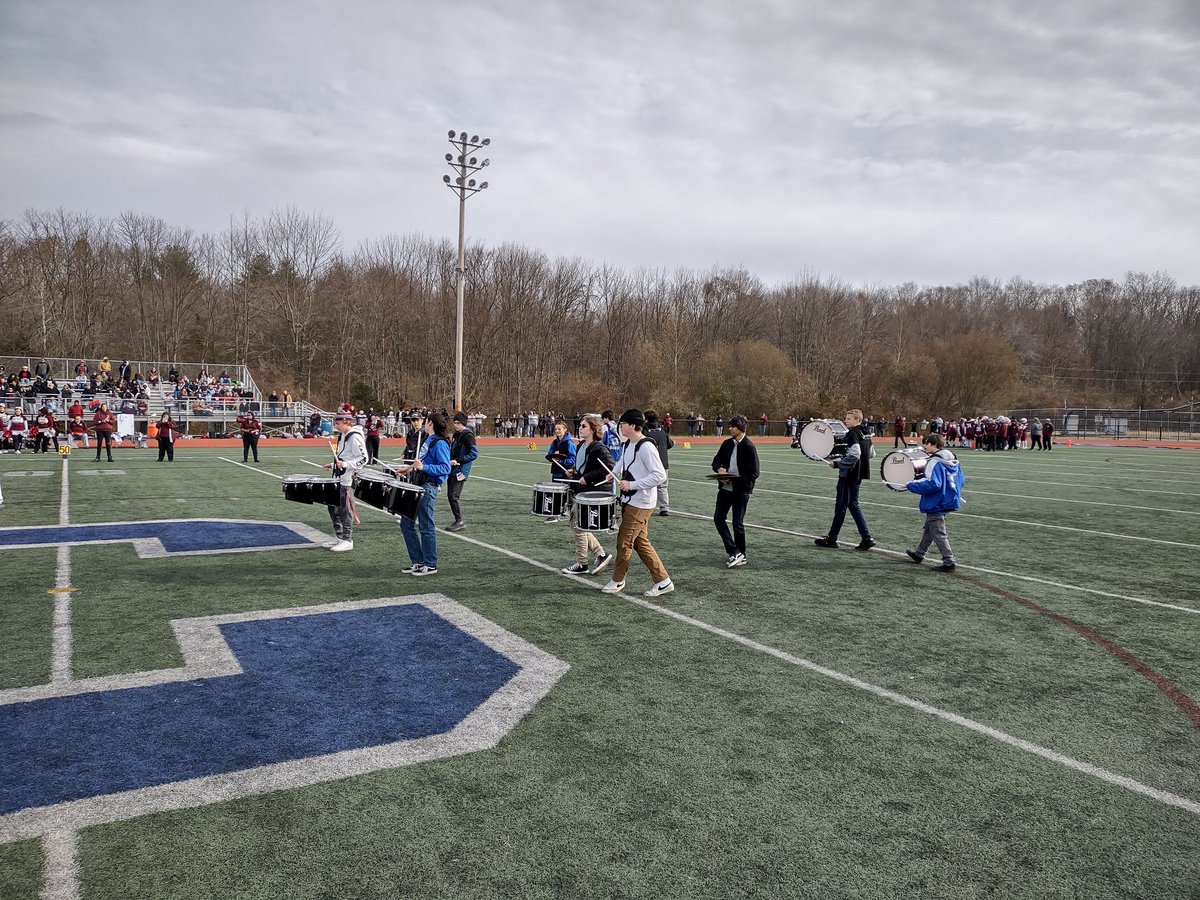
941,488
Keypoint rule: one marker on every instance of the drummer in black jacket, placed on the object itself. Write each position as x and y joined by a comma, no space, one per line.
593,465
737,459
853,468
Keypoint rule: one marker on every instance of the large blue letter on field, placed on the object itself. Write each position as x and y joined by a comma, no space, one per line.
265,700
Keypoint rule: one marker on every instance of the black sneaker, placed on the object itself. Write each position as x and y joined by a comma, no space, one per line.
945,567
456,526
826,542
411,569
866,544
664,512
915,557
576,569
425,570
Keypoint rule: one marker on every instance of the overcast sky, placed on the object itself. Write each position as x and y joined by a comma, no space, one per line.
871,141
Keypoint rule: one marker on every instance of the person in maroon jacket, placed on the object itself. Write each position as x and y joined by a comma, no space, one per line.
167,433
251,428
1047,434
105,423
374,427
900,439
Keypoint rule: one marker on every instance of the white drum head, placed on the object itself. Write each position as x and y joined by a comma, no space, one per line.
816,440
898,469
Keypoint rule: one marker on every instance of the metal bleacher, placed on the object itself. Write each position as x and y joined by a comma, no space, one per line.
218,416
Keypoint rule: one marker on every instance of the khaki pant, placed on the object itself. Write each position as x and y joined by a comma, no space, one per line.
634,534
586,545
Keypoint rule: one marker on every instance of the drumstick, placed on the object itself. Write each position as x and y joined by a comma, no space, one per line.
561,466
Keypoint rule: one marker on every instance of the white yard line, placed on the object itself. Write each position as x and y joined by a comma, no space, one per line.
60,865
62,639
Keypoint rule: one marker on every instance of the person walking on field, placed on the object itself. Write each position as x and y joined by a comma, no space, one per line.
737,459
167,433
350,455
941,493
463,452
664,442
641,473
853,468
593,464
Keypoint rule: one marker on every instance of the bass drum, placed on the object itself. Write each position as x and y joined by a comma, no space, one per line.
818,439
902,466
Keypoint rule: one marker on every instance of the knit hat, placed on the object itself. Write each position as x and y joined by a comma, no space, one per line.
633,417
460,417
737,421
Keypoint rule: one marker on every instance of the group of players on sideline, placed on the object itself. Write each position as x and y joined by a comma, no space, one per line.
629,456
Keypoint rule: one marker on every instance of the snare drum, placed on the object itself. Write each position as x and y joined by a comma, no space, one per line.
819,439
902,466
549,500
404,499
374,488
310,489
595,511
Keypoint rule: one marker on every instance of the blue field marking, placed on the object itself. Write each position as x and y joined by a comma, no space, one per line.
310,685
266,700
170,537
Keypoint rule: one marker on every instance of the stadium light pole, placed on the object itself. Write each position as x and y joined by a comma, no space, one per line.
464,165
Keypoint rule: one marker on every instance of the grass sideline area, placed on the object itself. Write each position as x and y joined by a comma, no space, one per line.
816,724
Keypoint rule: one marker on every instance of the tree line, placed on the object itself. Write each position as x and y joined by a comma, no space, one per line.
376,324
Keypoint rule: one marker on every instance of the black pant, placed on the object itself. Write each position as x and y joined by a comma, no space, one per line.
847,500
104,439
249,442
453,492
727,500
372,448
167,449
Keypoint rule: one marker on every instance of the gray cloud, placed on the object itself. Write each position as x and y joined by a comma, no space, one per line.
867,140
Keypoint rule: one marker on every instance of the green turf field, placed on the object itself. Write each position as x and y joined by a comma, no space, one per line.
817,724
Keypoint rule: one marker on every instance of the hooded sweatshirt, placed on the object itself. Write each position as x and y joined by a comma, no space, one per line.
941,488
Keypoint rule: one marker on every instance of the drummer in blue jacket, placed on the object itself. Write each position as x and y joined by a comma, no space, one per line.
430,469
561,453
941,493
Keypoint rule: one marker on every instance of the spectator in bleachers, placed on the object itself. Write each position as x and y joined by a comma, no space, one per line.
42,369
104,367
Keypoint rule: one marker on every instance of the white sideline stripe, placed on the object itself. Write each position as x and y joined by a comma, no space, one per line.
61,637
60,865
960,514
251,468
973,490
977,476
997,572
1122,781
1065,586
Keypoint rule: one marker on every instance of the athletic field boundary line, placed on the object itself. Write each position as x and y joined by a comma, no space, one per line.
958,513
896,553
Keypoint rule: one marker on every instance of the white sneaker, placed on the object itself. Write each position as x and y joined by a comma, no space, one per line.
738,559
613,587
658,590
342,546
